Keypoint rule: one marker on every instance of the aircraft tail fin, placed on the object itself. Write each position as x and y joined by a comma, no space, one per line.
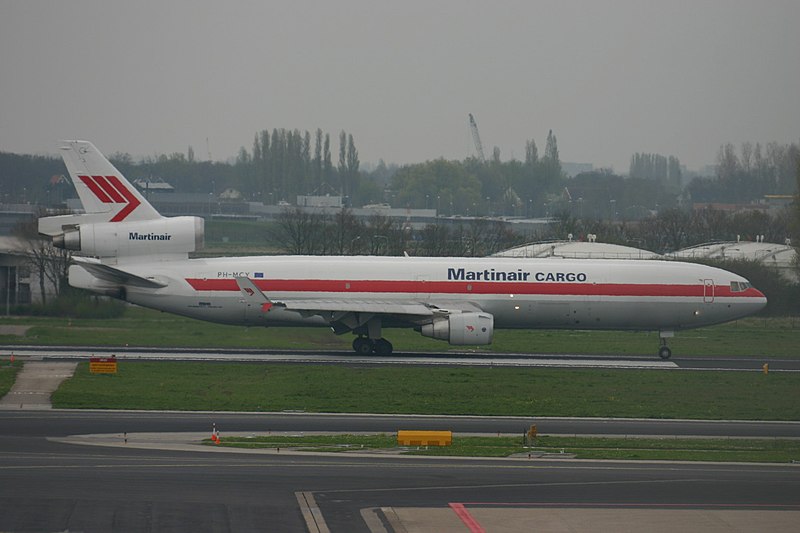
102,188
118,223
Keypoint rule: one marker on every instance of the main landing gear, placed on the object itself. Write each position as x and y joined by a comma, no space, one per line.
369,339
664,352
365,346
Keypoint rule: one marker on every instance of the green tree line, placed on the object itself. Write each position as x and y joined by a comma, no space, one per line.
283,163
656,167
750,174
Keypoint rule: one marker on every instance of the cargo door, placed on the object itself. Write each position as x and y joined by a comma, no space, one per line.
708,291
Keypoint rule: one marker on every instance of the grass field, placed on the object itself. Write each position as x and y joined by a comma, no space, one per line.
436,390
758,337
728,450
8,373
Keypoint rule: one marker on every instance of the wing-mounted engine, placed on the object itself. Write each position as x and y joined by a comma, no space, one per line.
461,328
162,237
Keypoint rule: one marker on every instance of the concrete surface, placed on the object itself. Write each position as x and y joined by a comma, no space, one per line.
619,520
35,383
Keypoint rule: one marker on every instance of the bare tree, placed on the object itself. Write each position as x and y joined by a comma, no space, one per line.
727,162
667,231
747,156
434,241
301,232
344,233
50,264
381,236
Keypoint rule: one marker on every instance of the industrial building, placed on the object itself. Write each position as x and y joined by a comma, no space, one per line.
578,250
782,257
15,274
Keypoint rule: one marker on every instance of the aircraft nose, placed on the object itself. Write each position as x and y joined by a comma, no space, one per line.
759,301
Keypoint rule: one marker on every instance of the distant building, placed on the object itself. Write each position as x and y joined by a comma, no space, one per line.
778,202
573,169
729,208
319,201
12,215
708,171
578,250
15,275
230,194
771,203
153,185
782,257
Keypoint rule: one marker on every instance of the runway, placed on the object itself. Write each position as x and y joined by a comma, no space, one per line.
52,486
398,358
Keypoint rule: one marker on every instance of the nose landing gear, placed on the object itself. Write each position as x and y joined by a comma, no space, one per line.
664,352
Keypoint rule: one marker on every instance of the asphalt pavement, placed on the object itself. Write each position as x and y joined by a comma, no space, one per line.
53,484
146,471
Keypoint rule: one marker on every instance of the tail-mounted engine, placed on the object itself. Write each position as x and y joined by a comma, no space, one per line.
155,237
461,328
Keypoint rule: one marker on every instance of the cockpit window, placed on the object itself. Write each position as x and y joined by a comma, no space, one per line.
740,286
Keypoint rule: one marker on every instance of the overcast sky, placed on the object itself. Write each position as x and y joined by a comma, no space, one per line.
609,78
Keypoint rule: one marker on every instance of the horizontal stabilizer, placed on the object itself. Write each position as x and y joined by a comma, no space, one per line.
116,276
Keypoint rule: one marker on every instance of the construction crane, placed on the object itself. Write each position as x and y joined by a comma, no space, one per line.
473,126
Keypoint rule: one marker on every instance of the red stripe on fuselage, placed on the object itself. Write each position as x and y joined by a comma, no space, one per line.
469,287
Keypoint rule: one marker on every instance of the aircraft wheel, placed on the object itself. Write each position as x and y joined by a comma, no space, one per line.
383,347
362,346
664,352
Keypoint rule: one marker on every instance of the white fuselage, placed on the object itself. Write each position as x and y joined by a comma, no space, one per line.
125,248
518,292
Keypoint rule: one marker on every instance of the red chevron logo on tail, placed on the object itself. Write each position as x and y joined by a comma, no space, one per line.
110,190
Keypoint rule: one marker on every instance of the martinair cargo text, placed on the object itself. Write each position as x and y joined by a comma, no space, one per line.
124,248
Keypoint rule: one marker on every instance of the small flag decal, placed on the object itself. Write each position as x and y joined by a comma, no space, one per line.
258,274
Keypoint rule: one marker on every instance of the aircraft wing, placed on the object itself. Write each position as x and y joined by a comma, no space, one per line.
348,314
310,307
446,307
115,275
313,307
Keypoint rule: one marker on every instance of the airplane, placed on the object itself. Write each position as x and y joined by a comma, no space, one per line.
122,247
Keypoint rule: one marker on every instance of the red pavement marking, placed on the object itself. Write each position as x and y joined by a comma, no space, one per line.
467,518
